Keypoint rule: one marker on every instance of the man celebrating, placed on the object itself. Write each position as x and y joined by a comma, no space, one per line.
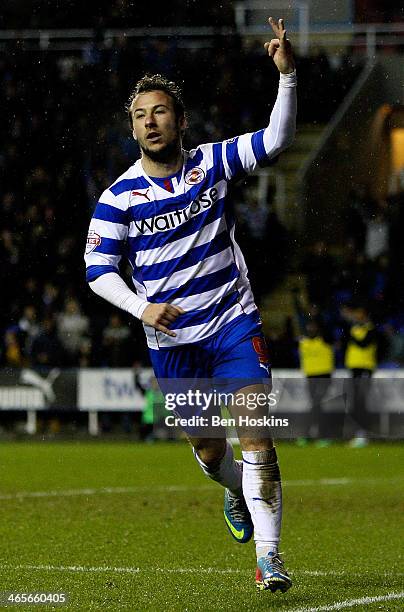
171,216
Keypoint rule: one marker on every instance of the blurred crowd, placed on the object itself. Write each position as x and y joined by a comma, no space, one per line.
66,138
366,275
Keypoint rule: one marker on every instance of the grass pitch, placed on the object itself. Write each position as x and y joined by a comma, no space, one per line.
125,526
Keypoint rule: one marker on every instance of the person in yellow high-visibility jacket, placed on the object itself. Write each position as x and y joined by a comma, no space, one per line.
361,360
317,362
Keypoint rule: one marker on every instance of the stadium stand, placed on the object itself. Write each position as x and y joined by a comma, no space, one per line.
65,139
63,145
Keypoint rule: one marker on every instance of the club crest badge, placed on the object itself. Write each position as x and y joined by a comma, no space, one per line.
93,240
194,176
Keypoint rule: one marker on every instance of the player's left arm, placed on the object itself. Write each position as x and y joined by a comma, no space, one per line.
244,153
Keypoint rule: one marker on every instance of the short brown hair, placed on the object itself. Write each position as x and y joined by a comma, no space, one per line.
157,82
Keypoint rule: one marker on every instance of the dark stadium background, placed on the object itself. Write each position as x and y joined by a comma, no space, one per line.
117,522
64,138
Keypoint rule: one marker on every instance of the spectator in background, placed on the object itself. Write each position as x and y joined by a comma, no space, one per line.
85,357
11,252
72,326
317,362
316,355
47,350
361,360
377,235
28,327
50,297
116,342
13,351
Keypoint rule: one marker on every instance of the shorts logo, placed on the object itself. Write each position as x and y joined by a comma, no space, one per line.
194,176
93,240
260,347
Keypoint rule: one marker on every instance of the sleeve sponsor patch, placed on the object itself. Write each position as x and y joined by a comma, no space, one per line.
93,240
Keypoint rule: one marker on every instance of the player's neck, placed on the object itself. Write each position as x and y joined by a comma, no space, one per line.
162,169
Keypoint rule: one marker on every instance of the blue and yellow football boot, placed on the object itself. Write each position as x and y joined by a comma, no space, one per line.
271,574
237,517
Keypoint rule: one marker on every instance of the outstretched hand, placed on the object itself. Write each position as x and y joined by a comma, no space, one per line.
280,48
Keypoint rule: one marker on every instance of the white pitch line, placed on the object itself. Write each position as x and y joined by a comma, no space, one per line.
124,570
363,601
323,482
101,491
165,570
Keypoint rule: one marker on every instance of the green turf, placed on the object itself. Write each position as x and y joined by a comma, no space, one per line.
349,532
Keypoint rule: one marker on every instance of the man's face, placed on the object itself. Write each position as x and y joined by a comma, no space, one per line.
155,125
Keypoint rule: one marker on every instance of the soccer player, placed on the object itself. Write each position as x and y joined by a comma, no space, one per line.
170,214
